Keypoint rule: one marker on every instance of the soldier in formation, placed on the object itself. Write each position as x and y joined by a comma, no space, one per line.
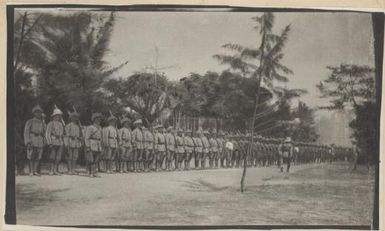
155,148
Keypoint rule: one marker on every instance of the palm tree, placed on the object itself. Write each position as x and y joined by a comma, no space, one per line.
262,63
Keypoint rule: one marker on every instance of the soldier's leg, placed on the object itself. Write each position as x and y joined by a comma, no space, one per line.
288,164
52,157
96,157
89,162
69,158
75,158
36,161
196,160
58,158
30,157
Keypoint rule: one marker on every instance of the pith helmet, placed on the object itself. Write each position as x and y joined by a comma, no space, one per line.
96,115
37,108
56,111
169,128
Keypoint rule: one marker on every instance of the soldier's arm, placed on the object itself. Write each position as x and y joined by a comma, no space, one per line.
27,128
87,136
48,134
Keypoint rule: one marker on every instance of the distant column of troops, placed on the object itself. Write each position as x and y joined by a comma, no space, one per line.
109,149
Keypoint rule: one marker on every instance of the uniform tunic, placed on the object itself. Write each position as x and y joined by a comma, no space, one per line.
110,137
188,144
170,142
179,144
206,144
34,133
198,144
148,140
73,135
160,142
54,133
124,136
93,138
137,138
213,144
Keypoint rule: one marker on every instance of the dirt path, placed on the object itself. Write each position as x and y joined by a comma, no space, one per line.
310,194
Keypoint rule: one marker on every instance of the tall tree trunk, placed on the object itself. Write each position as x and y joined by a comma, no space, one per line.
249,148
252,124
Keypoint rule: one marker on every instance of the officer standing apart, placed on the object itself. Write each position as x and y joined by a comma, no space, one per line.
286,152
34,139
93,143
54,136
73,140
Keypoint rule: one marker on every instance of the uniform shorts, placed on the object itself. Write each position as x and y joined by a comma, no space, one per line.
92,157
34,153
111,153
55,153
72,153
125,153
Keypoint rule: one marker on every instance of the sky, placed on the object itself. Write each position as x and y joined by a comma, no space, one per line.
188,40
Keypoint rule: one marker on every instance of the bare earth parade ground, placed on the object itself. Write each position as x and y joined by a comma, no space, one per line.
310,194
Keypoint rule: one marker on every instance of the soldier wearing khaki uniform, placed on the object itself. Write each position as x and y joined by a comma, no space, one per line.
170,148
219,156
213,148
206,148
148,146
228,149
189,148
180,149
110,141
160,148
93,143
73,141
34,131
54,136
137,142
198,149
125,144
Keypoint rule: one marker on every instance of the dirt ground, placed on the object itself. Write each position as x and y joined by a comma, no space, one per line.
310,194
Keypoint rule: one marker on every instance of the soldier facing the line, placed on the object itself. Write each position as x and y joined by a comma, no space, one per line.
198,148
34,132
54,136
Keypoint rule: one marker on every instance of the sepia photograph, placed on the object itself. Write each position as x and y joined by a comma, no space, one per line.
193,117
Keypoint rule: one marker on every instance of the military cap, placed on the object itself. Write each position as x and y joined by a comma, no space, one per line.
138,121
188,131
206,132
214,131
96,115
37,108
170,128
288,139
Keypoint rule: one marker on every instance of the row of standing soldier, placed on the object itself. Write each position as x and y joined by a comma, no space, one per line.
155,148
